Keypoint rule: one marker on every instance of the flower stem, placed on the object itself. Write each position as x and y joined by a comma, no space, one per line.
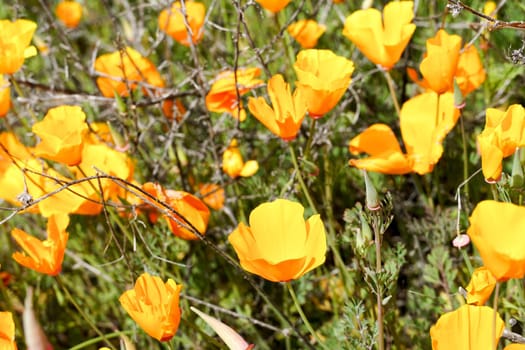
92,341
300,178
379,291
310,139
392,90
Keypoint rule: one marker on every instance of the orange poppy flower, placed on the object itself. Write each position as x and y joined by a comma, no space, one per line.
480,287
279,245
222,96
173,21
288,112
15,38
382,41
7,331
495,229
503,133
69,13
154,305
306,32
467,328
122,71
273,5
323,78
43,256
212,195
234,165
5,96
425,120
61,135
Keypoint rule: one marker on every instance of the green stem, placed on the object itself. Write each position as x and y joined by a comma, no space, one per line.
97,339
465,157
379,291
467,260
300,178
392,90
239,203
310,138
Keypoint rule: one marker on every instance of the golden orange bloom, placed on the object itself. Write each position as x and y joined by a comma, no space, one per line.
122,71
279,245
480,287
467,328
222,96
323,78
288,112
43,256
495,229
5,96
515,346
61,135
234,165
15,38
212,195
154,305
273,5
425,120
69,13
382,39
172,21
503,133
306,32
7,331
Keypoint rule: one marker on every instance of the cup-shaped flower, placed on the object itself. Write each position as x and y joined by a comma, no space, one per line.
288,112
279,245
233,163
222,96
496,230
154,305
5,96
212,195
183,23
69,13
306,32
15,38
467,328
382,41
480,287
7,331
43,256
61,134
503,133
323,78
122,71
273,5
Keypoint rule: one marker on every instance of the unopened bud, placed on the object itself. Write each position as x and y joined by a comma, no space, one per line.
516,179
372,200
459,99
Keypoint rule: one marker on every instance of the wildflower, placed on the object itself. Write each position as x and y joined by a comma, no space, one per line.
173,109
323,78
273,5
43,256
122,71
222,96
495,229
288,112
69,13
154,305
61,135
468,328
7,331
5,96
425,120
212,195
503,133
279,245
515,346
173,21
306,32
234,165
382,41
15,38
480,287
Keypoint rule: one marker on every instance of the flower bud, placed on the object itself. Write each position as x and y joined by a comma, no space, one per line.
372,200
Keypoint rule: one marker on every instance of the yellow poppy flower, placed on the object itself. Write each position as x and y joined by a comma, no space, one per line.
288,112
495,229
467,328
273,5
15,38
69,13
382,41
7,331
306,32
480,287
234,165
122,71
503,133
222,96
173,22
154,305
515,346
5,96
323,78
43,256
279,245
